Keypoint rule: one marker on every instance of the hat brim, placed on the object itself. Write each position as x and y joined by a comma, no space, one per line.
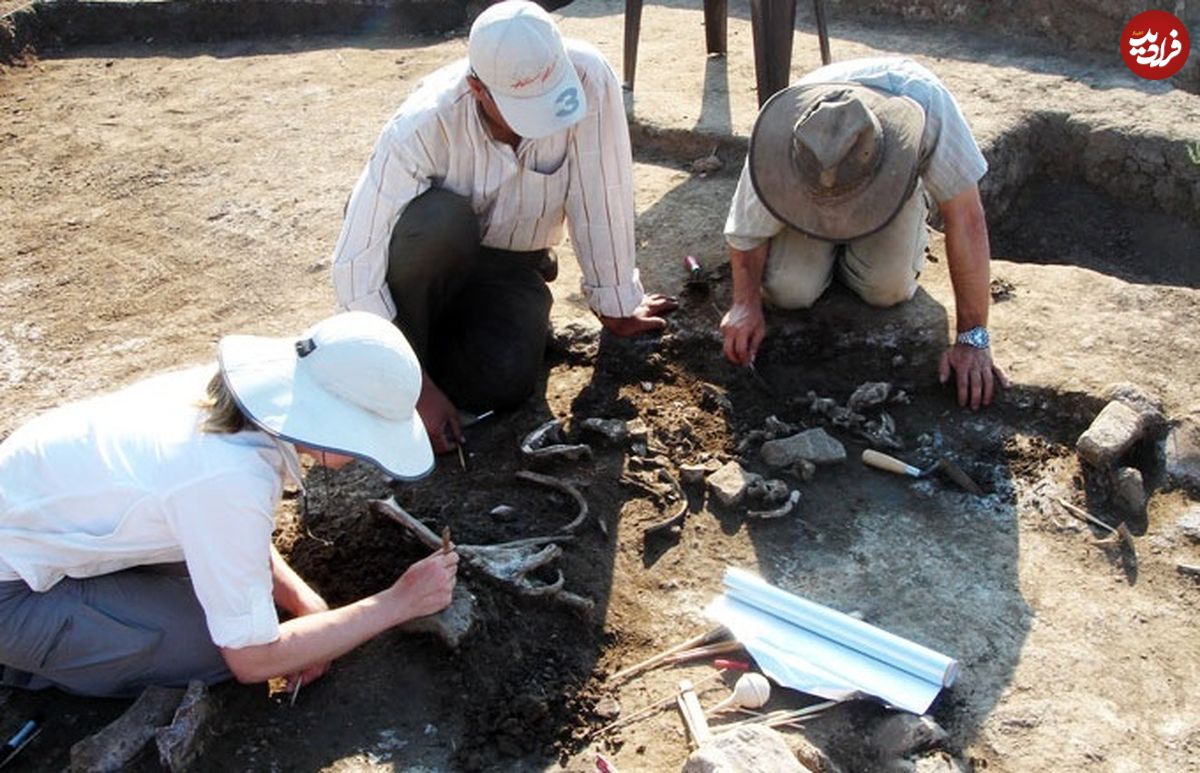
559,108
797,201
284,401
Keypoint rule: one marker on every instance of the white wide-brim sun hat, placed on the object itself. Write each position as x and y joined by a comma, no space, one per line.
349,385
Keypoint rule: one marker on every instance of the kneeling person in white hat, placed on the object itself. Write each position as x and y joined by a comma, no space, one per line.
835,179
449,227
135,527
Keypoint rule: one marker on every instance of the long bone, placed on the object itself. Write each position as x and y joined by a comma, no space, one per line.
508,563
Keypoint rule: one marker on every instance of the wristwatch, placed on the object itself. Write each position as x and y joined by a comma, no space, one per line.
976,337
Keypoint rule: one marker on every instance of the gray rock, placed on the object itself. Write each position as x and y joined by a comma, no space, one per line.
694,473
904,734
453,623
608,708
1182,452
815,445
612,430
123,738
179,744
1189,524
1129,492
939,763
729,483
1137,398
1112,433
774,427
812,757
804,470
750,749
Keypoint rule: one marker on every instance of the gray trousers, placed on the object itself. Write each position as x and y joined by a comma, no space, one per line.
477,317
109,636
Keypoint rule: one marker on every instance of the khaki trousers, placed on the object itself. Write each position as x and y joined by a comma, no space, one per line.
881,268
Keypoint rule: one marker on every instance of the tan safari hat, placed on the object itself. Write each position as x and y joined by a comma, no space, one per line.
836,160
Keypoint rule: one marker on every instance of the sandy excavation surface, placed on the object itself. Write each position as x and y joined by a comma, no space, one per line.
156,197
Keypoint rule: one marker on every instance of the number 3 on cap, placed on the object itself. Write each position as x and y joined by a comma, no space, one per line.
568,102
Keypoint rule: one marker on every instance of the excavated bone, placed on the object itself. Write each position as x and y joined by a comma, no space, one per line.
869,395
507,563
569,490
778,512
547,442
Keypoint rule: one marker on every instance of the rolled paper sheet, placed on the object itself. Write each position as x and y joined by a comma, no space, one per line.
809,647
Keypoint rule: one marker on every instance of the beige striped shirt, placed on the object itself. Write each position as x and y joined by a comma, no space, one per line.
437,138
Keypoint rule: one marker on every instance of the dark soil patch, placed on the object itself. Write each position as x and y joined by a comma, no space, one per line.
1068,222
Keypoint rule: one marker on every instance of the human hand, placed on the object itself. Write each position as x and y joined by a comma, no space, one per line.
307,676
427,586
439,416
744,328
975,374
646,318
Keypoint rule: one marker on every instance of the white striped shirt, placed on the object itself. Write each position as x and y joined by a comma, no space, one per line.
438,139
950,158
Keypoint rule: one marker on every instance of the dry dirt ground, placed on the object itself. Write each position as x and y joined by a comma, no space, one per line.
157,197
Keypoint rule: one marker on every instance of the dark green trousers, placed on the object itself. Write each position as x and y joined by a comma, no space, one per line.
477,317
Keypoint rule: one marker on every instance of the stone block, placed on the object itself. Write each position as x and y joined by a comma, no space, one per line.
1112,433
814,445
750,749
1181,453
729,483
1129,492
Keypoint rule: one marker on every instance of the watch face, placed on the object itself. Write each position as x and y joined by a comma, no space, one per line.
977,337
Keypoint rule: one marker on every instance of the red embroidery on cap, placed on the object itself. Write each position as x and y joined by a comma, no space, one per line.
530,81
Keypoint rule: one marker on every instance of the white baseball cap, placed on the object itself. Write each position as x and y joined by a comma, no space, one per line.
516,51
349,384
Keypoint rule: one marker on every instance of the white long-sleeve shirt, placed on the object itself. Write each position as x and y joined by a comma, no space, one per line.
438,139
129,479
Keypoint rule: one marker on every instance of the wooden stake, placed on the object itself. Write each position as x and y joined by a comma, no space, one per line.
705,638
693,715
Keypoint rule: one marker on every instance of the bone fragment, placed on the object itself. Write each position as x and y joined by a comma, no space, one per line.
778,512
508,563
123,738
179,743
546,442
566,488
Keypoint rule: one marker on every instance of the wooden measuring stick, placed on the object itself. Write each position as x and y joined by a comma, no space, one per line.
693,714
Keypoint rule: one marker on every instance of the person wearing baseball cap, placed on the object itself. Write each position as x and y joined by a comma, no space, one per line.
450,226
835,181
136,527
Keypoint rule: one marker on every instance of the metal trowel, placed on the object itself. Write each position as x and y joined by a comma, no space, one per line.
881,461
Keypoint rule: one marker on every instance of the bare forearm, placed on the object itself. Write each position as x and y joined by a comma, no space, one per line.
746,267
290,591
317,638
968,254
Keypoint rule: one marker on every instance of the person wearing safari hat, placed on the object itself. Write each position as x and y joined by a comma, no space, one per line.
135,527
449,227
836,179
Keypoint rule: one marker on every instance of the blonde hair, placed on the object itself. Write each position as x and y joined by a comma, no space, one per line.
224,414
